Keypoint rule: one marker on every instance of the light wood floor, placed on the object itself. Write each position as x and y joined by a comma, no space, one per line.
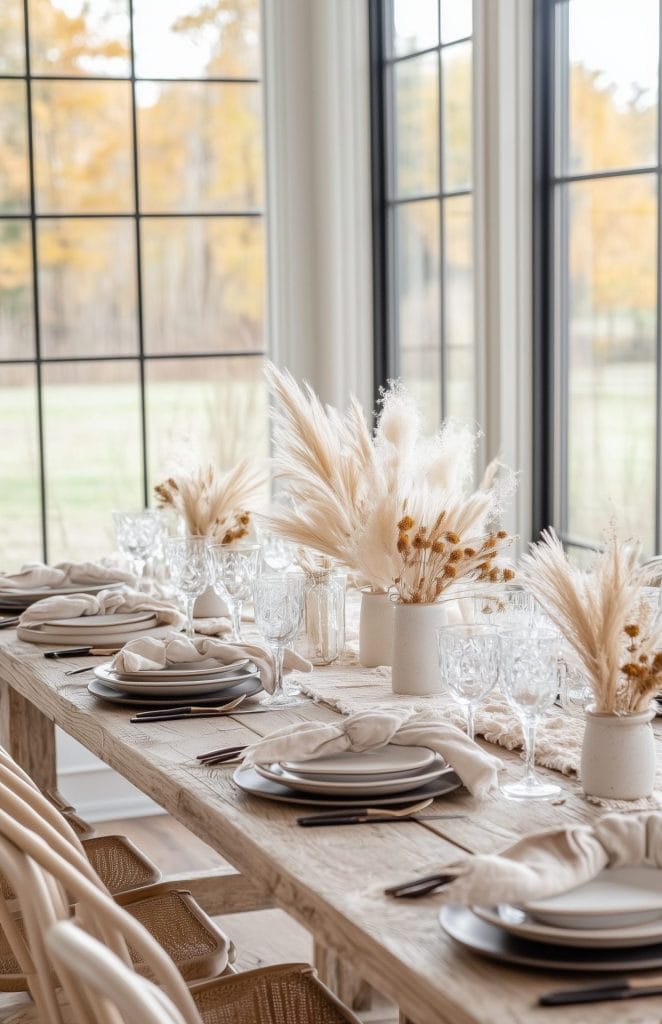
263,937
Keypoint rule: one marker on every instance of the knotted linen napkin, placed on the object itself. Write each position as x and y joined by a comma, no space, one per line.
36,574
149,653
551,862
106,602
369,730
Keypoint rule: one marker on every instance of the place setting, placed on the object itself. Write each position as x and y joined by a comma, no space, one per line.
36,581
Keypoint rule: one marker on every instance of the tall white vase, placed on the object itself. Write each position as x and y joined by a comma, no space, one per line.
415,665
209,605
375,629
618,755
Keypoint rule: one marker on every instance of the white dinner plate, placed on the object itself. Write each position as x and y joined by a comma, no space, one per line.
248,687
175,687
387,760
470,931
116,621
366,787
91,638
251,782
617,897
517,922
187,670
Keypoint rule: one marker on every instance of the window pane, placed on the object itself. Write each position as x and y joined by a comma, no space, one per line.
612,89
415,25
14,175
16,315
200,146
12,38
459,325
456,68
611,390
83,147
20,510
215,408
203,284
87,287
94,410
419,304
179,39
417,125
79,37
456,17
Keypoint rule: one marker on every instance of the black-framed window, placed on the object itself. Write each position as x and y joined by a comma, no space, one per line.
422,55
132,257
599,174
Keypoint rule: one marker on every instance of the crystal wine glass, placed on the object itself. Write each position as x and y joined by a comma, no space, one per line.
233,568
188,564
278,602
137,535
469,655
529,679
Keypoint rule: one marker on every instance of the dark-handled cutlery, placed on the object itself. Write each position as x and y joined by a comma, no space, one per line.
221,755
190,711
7,622
79,652
615,989
372,815
420,886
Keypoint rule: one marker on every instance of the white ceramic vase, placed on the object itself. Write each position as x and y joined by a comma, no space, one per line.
415,665
618,755
209,605
375,629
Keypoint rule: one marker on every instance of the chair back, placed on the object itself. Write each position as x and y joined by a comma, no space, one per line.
45,896
113,993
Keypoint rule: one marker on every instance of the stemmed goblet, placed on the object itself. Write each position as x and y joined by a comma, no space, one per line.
469,656
529,679
233,568
137,535
187,562
278,602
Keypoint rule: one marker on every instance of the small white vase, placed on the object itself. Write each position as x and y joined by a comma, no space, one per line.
209,605
375,629
415,665
618,755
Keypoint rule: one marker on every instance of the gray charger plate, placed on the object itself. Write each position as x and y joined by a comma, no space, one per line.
247,688
496,944
248,779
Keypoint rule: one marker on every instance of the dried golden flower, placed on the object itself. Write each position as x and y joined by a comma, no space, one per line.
470,552
502,534
631,670
455,555
403,543
633,630
406,523
508,574
438,547
452,537
418,542
450,571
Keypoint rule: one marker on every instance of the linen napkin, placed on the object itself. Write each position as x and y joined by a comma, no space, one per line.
547,863
148,653
369,730
36,574
106,602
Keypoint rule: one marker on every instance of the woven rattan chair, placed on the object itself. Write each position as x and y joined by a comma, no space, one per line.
191,939
119,863
47,885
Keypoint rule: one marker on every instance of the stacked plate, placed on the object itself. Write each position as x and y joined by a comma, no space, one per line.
95,630
390,775
202,683
613,922
11,598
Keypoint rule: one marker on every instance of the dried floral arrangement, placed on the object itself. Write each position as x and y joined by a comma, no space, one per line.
604,617
214,504
350,489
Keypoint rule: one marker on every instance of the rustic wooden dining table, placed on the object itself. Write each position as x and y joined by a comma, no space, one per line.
331,880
